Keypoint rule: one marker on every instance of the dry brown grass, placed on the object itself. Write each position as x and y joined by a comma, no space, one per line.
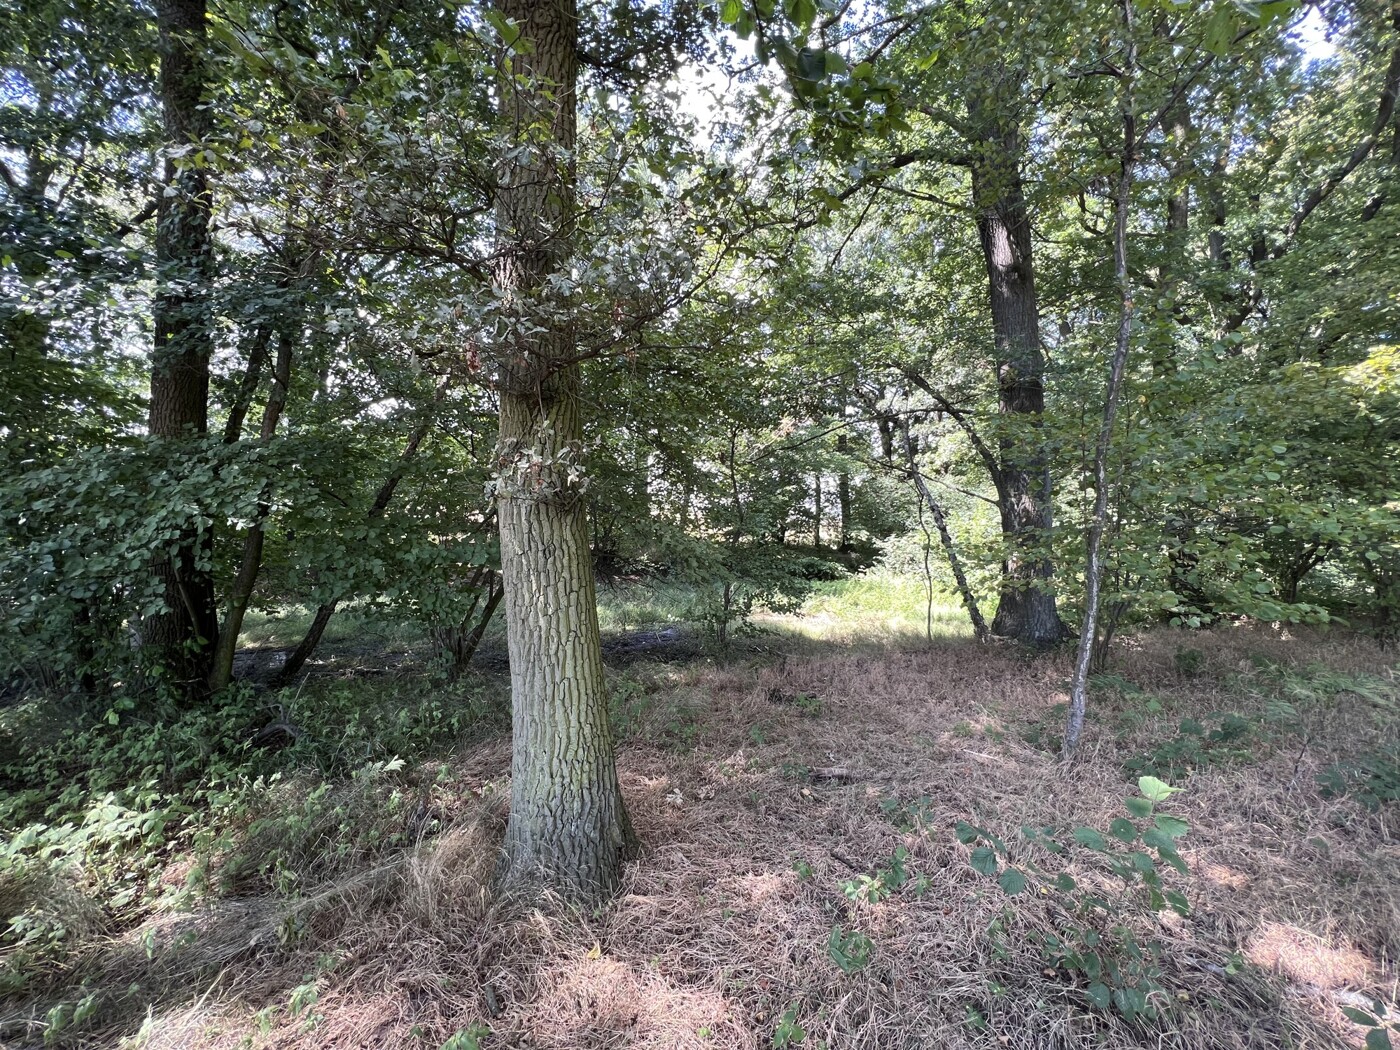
715,933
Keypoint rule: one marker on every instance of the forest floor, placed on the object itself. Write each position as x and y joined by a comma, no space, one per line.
802,881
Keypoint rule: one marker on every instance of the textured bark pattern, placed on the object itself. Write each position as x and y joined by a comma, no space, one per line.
1026,609
184,634
567,820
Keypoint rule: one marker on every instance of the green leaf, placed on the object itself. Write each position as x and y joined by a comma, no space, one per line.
1171,826
508,31
966,833
1139,807
1377,1039
984,860
1091,838
1098,995
1360,1017
1156,790
1143,863
731,11
1220,30
1172,857
1123,829
1012,882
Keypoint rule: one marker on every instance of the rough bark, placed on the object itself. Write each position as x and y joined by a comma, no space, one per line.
568,826
1026,607
183,635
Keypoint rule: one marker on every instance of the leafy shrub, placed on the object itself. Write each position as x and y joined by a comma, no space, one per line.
1373,779
1196,746
883,884
849,950
1094,940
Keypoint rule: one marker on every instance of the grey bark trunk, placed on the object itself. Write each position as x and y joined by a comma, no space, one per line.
1026,609
568,826
843,493
1093,568
183,635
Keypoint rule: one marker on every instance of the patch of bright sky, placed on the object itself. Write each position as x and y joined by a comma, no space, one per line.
1311,34
706,90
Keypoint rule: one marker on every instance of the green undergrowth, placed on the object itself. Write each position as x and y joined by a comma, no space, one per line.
112,812
1169,731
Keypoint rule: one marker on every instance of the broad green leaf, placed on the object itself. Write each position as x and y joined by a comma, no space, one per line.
1220,29
1091,838
1156,790
1012,882
984,860
1360,1017
1139,807
1171,826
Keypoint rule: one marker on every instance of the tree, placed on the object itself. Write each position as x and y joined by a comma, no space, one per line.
185,630
567,816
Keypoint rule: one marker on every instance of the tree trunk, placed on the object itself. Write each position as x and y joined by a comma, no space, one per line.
843,493
1026,607
461,641
241,593
950,548
184,633
817,509
568,826
1093,561
297,658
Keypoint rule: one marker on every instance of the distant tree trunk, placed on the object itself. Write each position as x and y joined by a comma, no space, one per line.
183,634
1026,608
461,641
568,826
1308,557
843,493
1178,154
817,509
945,537
297,658
241,593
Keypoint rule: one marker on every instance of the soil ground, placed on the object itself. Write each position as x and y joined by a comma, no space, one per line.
768,791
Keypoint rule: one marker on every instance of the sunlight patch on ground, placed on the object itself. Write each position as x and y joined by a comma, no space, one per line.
1306,958
593,996
1223,875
